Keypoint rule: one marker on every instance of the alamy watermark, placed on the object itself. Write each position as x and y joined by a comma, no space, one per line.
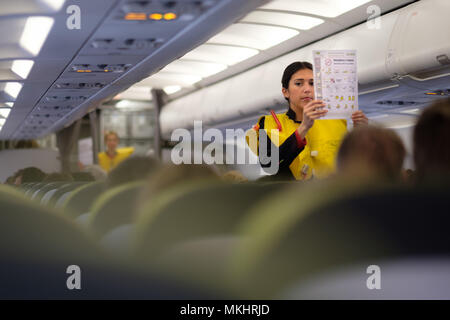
74,20
373,20
374,280
74,280
224,149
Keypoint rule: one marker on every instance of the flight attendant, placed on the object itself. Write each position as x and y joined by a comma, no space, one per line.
307,146
110,158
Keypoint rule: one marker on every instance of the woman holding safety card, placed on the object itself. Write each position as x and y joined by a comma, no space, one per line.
306,145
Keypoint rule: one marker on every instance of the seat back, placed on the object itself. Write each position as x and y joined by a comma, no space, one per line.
114,208
335,225
192,212
53,198
38,246
39,193
81,199
30,191
416,278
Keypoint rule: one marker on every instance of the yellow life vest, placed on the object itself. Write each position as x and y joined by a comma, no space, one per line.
108,163
322,142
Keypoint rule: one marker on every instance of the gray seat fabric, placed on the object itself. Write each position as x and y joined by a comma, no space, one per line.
114,208
335,230
83,220
81,199
119,240
63,189
419,278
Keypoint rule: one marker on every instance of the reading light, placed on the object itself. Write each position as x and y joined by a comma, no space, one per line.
22,67
170,16
156,16
13,89
34,33
136,16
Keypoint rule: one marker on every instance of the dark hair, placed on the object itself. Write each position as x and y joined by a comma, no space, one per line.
57,176
132,169
432,141
291,69
82,176
31,174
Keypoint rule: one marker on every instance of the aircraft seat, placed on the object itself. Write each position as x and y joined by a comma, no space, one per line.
335,224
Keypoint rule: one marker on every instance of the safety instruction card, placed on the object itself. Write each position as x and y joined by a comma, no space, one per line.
336,82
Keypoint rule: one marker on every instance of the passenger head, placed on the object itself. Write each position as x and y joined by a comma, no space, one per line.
172,175
111,140
132,169
298,84
371,151
432,141
96,171
29,174
58,177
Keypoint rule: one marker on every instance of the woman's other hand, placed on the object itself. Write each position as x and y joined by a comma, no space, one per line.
359,118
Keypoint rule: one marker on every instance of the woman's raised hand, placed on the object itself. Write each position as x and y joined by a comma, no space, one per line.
312,111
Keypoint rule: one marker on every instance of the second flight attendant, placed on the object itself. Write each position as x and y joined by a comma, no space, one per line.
307,146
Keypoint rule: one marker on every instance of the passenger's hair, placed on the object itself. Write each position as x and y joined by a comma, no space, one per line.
172,175
82,176
374,150
110,133
57,176
234,176
10,180
27,144
292,69
432,141
31,174
132,169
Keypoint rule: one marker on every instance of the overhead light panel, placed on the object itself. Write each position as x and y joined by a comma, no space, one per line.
324,8
289,20
22,67
164,79
135,93
35,33
172,89
55,5
2,122
13,89
4,112
198,68
223,54
253,36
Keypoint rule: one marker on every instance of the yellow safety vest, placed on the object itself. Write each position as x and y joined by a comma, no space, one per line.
322,142
108,163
